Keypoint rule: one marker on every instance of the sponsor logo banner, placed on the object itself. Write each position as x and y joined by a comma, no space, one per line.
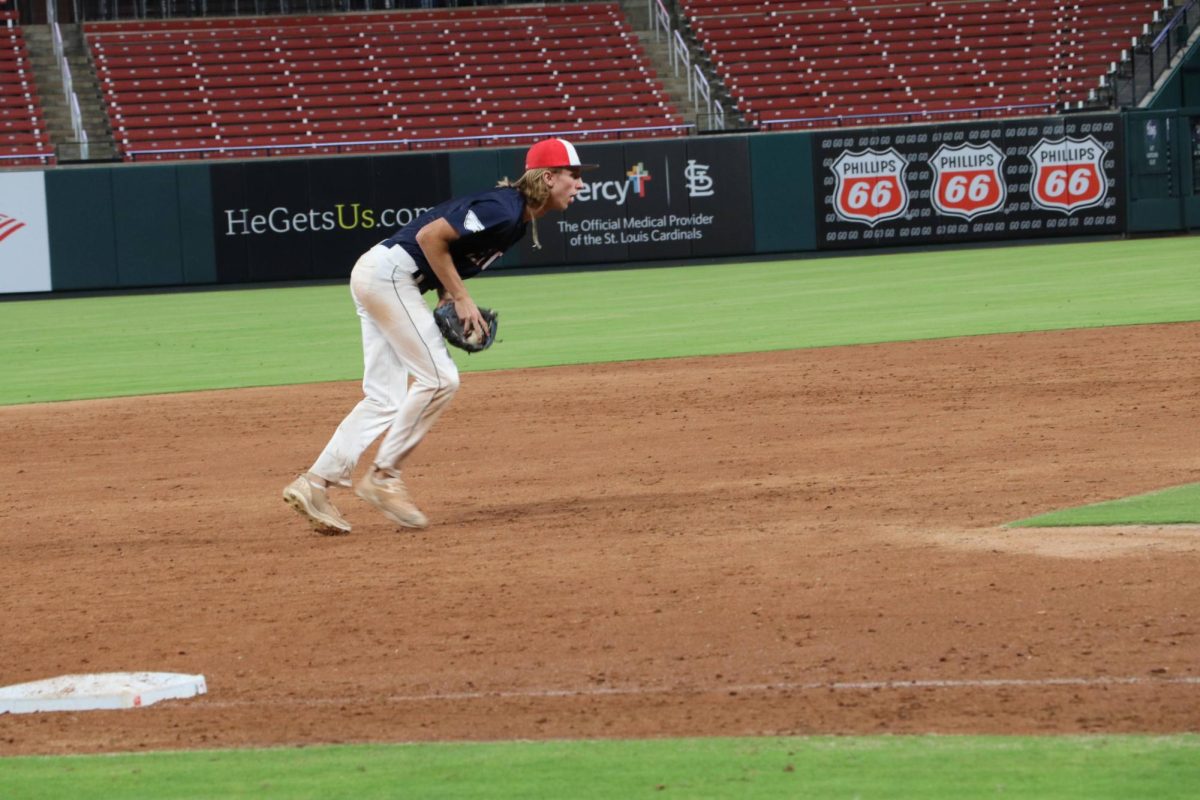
870,186
1005,179
1068,174
654,200
301,219
967,181
24,233
284,220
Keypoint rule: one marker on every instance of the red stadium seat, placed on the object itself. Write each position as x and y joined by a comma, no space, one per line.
259,81
24,140
809,63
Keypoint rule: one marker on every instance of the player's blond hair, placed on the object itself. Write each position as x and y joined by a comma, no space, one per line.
534,190
531,185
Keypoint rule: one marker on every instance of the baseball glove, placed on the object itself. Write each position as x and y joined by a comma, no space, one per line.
452,328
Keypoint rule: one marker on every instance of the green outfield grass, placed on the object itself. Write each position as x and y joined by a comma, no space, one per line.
914,767
89,347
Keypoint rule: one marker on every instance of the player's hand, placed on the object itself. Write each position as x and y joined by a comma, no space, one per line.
468,314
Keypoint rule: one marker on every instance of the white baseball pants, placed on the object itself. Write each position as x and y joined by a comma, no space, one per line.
400,338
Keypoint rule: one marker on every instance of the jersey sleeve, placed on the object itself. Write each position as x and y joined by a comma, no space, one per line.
479,214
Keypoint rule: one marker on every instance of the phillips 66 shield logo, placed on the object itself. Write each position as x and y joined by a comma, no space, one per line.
967,180
870,186
1068,174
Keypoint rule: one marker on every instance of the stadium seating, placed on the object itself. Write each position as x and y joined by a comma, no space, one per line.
24,140
824,63
448,78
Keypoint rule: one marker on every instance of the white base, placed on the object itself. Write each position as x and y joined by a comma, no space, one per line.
99,691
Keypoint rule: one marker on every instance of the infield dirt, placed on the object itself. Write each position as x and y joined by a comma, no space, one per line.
792,542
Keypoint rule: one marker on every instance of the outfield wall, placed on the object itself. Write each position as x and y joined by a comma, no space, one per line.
229,222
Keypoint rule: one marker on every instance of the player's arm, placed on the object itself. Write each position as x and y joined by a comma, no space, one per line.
434,240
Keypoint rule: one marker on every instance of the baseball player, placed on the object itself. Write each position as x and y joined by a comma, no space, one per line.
437,251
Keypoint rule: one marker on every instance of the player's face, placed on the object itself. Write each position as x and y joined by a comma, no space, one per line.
564,185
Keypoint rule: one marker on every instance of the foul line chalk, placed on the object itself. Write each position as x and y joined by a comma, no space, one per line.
815,686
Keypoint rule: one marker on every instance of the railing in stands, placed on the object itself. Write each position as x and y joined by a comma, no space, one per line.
68,84
40,158
80,134
323,148
1132,81
699,88
660,19
681,58
902,117
1173,39
100,10
680,55
712,112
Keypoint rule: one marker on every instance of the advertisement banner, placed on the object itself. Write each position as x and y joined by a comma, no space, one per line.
1006,179
655,200
716,180
312,218
24,233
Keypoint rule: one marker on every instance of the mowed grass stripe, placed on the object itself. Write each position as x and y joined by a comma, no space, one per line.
927,767
85,347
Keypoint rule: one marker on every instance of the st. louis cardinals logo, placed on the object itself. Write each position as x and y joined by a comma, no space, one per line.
9,226
870,186
1068,174
967,180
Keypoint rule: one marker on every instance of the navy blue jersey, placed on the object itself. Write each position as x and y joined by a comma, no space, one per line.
488,223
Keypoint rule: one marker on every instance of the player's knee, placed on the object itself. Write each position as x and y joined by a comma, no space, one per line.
441,386
448,385
381,406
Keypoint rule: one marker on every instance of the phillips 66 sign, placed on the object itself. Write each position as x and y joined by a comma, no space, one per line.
1068,174
999,179
870,186
967,181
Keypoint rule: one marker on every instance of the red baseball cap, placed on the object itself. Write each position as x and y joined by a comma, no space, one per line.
554,154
